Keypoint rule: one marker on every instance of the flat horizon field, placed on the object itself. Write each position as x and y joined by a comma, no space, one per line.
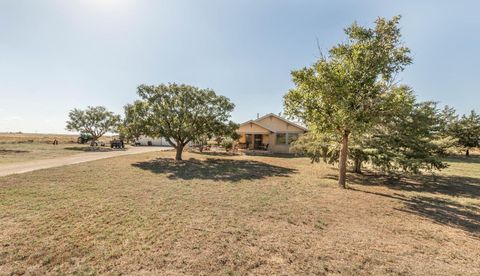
21,147
216,214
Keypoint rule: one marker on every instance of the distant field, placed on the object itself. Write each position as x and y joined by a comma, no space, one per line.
25,147
9,138
241,215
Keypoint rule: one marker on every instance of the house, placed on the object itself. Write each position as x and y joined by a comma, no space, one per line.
149,141
270,132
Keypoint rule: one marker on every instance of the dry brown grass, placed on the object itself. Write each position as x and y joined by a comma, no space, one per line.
145,214
26,147
11,138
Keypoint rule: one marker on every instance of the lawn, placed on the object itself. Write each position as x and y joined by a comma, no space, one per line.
214,214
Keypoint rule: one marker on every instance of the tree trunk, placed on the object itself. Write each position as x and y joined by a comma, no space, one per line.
357,166
468,152
92,143
342,177
178,156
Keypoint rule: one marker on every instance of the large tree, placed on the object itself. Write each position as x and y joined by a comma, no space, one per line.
403,139
95,120
179,113
344,92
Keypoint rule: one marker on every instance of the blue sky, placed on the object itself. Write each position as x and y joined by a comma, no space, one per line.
56,55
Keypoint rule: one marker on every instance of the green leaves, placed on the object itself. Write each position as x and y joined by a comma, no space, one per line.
95,121
352,91
467,130
344,90
180,113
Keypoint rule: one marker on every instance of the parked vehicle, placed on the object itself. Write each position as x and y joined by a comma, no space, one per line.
84,138
117,144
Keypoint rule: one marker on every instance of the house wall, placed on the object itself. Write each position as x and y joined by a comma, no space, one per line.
280,148
279,126
266,139
243,138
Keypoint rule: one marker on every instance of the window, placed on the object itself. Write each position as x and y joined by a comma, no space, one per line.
292,137
281,139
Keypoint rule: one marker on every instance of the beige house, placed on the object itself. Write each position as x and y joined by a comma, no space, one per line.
270,132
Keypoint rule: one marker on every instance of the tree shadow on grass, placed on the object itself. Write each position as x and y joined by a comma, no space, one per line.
6,151
446,212
214,169
473,159
437,209
94,149
215,153
436,184
272,155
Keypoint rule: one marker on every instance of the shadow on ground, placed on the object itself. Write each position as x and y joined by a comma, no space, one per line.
214,169
446,212
473,159
439,210
436,184
94,149
5,152
216,153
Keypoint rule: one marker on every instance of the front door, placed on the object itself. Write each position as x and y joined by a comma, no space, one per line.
257,142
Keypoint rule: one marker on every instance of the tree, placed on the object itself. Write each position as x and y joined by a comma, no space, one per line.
180,113
448,119
317,146
132,127
407,142
344,92
403,139
467,131
96,121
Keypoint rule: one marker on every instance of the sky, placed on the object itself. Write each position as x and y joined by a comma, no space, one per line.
56,55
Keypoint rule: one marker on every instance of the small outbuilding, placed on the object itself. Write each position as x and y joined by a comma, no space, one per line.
149,141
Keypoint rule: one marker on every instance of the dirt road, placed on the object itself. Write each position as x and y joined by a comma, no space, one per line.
29,166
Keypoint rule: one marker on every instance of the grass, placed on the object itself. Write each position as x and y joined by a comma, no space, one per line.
12,153
145,214
26,147
18,138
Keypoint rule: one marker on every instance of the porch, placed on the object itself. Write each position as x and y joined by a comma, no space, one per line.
254,141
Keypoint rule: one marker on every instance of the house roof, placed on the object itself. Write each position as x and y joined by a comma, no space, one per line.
276,116
283,119
258,124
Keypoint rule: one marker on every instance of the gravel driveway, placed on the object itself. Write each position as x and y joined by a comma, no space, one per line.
29,166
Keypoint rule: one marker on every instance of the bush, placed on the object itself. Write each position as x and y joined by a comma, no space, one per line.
227,143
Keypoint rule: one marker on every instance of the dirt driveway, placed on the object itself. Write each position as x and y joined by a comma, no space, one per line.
29,166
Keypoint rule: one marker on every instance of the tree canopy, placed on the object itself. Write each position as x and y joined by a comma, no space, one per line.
95,120
404,139
467,131
345,92
179,113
